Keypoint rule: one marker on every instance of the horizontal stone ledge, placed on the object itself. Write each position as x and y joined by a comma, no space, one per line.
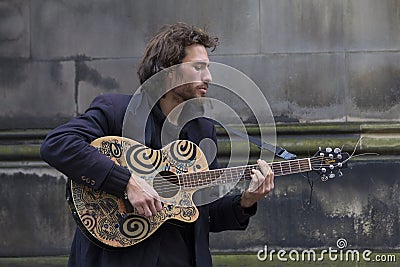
21,145
379,140
376,140
19,152
49,261
320,128
23,135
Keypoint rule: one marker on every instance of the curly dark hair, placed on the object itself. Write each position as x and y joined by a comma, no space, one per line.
167,47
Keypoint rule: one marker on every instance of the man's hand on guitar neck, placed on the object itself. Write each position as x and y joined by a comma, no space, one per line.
143,197
262,182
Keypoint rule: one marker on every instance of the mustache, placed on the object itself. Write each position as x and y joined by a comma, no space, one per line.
203,85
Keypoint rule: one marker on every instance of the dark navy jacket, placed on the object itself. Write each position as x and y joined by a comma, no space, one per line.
68,149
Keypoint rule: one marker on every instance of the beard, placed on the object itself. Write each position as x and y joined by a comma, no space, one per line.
189,91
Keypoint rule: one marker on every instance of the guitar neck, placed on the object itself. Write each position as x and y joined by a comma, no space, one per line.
234,174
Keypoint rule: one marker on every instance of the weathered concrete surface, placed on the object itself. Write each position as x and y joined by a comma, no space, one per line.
14,29
313,60
105,76
374,86
302,26
106,29
372,25
35,94
34,216
286,84
362,207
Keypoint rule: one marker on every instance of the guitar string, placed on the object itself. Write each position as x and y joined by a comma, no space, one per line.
216,180
283,169
289,167
214,174
205,177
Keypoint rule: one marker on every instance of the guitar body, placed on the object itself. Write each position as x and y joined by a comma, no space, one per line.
112,222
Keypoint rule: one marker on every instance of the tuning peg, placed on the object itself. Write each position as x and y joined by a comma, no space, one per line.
324,178
331,167
321,154
323,170
337,150
331,156
340,173
340,165
331,175
339,156
328,150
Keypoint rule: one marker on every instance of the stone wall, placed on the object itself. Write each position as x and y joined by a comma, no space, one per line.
315,61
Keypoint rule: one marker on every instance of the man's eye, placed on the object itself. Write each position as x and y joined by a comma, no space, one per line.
198,67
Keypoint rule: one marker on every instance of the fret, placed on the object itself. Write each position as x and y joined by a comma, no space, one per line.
309,164
238,173
280,165
284,167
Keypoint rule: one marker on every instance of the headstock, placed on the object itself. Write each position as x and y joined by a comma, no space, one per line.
329,162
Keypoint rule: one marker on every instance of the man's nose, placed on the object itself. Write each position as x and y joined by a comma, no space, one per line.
206,76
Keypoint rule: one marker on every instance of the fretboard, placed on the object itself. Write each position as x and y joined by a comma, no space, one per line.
234,174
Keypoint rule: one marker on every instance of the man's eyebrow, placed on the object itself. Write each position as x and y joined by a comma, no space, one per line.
205,63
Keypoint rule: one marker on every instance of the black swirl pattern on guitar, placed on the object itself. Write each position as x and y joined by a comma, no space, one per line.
142,160
183,151
115,149
88,221
136,227
111,148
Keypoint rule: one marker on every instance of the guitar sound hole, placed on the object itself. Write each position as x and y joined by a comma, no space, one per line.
166,184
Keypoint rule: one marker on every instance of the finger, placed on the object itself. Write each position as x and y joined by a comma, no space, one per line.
254,184
260,178
269,183
155,203
152,207
272,181
264,167
158,205
266,186
147,211
140,210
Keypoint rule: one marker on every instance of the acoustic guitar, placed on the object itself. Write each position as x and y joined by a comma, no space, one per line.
176,172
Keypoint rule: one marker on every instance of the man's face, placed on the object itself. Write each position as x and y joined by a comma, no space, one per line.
194,68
